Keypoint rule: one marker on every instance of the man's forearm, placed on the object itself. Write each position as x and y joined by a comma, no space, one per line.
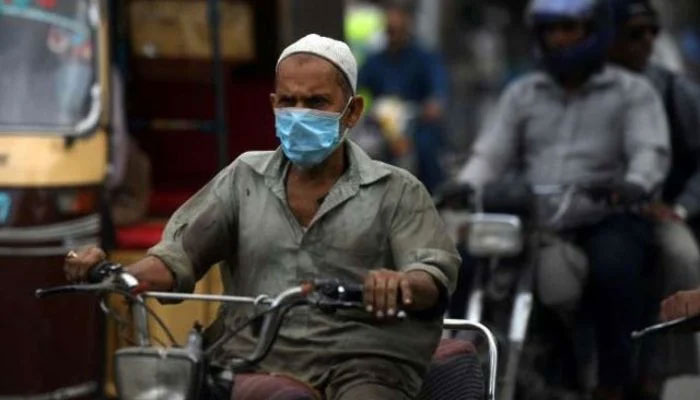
152,274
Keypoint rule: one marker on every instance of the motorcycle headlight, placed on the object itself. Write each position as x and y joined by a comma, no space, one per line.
495,235
147,373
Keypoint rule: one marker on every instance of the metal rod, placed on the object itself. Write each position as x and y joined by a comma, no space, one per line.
208,297
218,79
140,317
463,324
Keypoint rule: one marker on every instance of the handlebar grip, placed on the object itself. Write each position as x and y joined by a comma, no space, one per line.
682,325
101,271
336,289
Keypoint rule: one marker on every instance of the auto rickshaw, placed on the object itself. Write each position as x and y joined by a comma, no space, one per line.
54,59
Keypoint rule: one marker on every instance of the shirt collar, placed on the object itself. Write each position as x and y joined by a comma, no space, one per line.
361,167
601,79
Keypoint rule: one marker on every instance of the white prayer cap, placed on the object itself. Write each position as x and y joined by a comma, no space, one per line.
334,51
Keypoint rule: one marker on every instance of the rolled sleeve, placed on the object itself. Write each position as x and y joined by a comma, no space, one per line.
200,232
433,271
177,261
419,240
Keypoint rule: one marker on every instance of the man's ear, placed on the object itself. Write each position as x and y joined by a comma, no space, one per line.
357,106
273,100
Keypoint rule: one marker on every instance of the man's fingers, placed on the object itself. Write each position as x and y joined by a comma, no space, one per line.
392,293
406,293
380,289
368,292
77,263
675,307
693,303
667,308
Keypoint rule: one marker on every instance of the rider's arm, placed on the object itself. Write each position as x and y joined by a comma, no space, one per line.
152,274
200,233
422,249
434,105
496,146
646,137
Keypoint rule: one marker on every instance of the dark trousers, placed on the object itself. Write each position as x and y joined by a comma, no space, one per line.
620,253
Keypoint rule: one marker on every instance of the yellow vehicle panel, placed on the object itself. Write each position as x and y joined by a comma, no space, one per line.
30,161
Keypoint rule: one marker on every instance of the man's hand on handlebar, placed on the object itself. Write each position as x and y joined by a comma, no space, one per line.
78,263
627,193
662,212
681,305
151,272
387,291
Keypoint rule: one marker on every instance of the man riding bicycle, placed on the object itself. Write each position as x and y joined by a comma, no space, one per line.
578,122
316,207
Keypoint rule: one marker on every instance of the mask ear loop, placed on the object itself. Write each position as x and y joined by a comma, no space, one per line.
340,119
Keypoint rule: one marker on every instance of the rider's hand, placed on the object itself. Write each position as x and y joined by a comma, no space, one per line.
387,291
453,194
77,263
432,110
680,305
662,212
627,193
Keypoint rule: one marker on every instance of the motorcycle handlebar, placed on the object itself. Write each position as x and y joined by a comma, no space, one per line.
517,197
688,324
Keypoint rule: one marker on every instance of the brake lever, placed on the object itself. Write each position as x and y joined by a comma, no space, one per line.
84,288
119,281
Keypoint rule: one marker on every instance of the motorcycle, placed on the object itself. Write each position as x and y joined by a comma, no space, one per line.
505,228
146,371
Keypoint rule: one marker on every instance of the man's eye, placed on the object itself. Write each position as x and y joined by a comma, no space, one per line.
317,102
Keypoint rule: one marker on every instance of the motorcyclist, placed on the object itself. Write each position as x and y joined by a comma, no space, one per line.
316,207
409,71
637,24
578,121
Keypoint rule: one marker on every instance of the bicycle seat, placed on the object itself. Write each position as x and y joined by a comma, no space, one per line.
454,373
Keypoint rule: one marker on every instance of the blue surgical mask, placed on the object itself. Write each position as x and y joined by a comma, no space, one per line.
308,136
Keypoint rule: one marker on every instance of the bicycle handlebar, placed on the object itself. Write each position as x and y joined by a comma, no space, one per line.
325,294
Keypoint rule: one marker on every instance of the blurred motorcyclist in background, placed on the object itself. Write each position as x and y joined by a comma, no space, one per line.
637,25
406,70
577,121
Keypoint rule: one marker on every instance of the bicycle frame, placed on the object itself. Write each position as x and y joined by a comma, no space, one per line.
140,319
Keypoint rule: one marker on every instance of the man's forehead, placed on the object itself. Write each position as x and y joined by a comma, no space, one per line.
301,60
313,69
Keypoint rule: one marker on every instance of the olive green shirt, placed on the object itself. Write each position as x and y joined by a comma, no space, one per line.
375,216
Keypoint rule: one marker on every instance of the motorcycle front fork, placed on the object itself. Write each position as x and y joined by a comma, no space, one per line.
521,311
